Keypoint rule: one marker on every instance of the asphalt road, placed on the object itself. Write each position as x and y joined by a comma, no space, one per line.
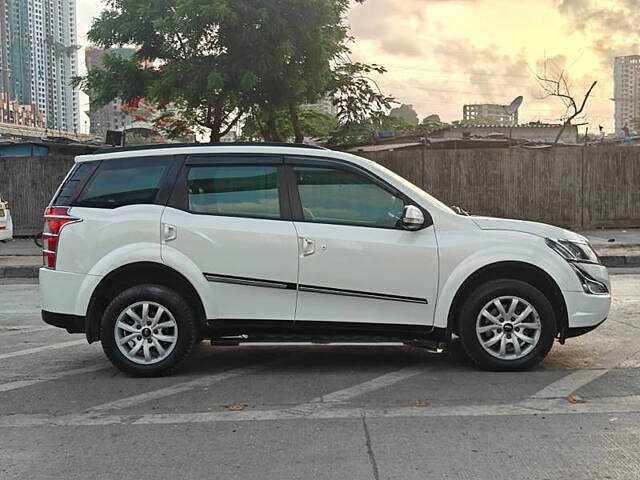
318,412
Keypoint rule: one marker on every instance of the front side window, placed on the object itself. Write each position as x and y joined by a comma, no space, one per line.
125,181
331,195
242,191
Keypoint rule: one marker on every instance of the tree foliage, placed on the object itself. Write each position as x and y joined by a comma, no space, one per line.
405,112
216,61
314,124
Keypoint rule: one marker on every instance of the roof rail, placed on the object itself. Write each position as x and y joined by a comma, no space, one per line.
160,146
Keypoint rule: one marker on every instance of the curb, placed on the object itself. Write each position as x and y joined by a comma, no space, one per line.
620,260
19,271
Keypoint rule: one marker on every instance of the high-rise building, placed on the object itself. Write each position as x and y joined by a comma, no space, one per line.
38,56
110,116
626,92
492,113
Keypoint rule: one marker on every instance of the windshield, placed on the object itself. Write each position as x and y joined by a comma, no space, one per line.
417,190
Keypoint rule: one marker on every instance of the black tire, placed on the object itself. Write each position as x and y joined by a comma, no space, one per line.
484,294
187,329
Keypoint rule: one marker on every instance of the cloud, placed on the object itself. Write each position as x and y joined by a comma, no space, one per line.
611,27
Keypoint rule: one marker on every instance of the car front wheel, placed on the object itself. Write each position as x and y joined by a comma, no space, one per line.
148,330
507,325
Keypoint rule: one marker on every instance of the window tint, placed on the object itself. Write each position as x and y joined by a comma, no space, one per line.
243,191
125,181
336,196
79,174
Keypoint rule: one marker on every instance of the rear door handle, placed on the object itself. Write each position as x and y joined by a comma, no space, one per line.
308,247
169,232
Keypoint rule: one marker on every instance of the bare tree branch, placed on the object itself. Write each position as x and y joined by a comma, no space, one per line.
559,87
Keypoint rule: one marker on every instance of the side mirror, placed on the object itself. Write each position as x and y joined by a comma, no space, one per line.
412,217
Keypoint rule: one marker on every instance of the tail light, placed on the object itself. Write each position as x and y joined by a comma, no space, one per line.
54,219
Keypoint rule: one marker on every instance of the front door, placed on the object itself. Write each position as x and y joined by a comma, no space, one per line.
228,220
357,262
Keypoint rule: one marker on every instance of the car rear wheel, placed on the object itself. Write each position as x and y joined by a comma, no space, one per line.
507,325
148,330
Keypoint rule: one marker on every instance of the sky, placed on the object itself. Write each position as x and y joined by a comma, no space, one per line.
441,54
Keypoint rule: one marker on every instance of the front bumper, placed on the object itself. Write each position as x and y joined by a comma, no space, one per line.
585,310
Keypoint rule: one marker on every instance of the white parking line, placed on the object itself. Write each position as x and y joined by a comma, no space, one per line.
174,389
569,384
44,348
341,396
5,387
602,405
22,330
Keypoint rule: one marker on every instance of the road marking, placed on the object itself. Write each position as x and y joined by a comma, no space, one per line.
5,387
602,405
21,330
53,346
174,389
569,384
342,396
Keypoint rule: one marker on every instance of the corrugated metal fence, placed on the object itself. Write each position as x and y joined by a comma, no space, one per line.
28,183
579,188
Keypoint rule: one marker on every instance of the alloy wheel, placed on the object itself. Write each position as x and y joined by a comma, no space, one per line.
508,327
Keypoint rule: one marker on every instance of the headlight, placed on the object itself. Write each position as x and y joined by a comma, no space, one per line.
574,251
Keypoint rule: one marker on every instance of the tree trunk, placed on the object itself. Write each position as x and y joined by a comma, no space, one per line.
214,136
271,126
295,123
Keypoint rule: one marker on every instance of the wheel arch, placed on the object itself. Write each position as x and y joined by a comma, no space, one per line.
135,274
516,270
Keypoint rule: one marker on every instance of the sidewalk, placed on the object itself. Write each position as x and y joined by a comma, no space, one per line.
617,248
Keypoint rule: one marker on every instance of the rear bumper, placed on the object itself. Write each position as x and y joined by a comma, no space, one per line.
71,323
66,293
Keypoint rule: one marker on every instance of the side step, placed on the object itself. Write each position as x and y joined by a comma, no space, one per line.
433,346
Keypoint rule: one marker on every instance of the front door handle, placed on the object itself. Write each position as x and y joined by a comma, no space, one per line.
308,247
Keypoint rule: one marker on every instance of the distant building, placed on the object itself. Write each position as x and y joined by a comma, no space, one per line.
626,92
534,131
111,116
495,114
13,113
38,57
323,105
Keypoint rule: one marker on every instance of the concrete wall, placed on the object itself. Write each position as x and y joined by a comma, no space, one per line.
535,133
578,188
28,183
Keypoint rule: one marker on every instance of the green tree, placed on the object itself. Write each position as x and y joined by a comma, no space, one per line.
431,122
406,113
312,123
216,61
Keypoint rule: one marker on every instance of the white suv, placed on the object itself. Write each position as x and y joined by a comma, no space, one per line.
150,250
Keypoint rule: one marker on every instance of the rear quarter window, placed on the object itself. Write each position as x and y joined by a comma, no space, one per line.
125,181
78,176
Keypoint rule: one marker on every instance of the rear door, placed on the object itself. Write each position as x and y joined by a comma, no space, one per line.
229,219
357,263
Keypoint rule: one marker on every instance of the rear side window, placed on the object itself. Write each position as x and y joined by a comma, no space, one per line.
125,181
242,191
78,176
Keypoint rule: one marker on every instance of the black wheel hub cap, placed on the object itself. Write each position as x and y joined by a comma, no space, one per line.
146,332
507,327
